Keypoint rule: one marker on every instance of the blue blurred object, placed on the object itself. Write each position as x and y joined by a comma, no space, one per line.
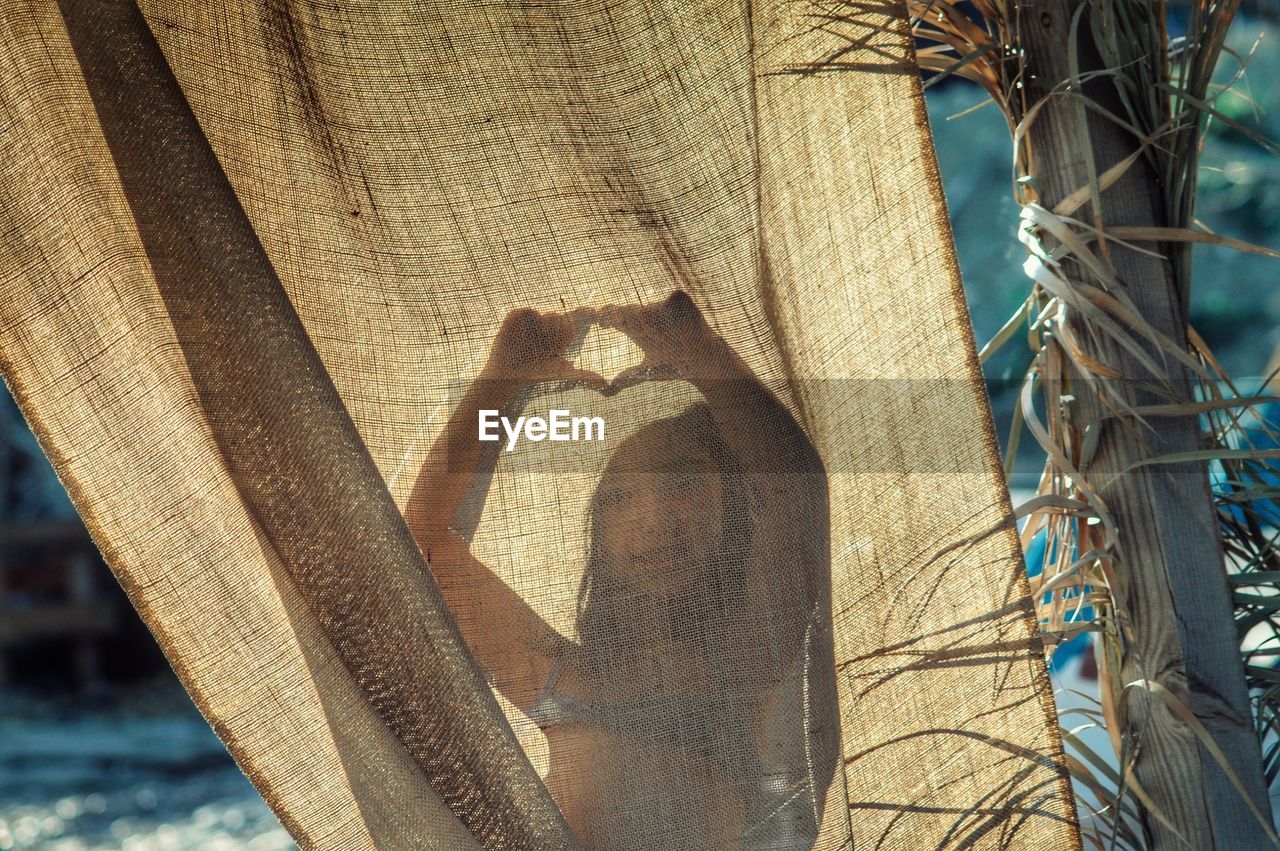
1035,566
1069,651
1260,428
1073,649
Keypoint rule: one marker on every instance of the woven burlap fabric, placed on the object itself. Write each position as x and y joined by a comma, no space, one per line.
254,254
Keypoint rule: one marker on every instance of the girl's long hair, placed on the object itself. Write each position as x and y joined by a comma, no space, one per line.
704,613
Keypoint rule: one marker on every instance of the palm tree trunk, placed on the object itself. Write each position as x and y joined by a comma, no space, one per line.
1172,596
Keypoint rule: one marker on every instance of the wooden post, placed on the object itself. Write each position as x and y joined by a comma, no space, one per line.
4,649
1172,586
80,589
6,467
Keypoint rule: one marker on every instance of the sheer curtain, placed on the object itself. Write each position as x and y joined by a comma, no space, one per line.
263,263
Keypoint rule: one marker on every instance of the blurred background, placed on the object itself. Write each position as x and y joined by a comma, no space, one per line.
100,748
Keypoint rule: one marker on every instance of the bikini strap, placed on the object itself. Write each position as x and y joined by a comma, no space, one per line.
554,677
546,710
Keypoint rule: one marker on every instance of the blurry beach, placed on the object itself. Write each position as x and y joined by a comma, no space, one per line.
137,770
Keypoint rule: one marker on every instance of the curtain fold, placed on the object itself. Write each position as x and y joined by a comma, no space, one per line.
256,255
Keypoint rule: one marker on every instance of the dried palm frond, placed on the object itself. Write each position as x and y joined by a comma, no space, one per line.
1167,94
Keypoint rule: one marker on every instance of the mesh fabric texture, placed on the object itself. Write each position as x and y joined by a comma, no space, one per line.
257,258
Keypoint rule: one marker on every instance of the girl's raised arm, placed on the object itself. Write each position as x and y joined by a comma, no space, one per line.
516,646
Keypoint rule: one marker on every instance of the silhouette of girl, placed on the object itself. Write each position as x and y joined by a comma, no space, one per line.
697,707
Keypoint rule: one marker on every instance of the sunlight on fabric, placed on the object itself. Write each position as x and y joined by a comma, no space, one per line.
265,266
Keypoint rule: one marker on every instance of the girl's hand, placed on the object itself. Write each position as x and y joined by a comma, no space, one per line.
676,340
530,347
